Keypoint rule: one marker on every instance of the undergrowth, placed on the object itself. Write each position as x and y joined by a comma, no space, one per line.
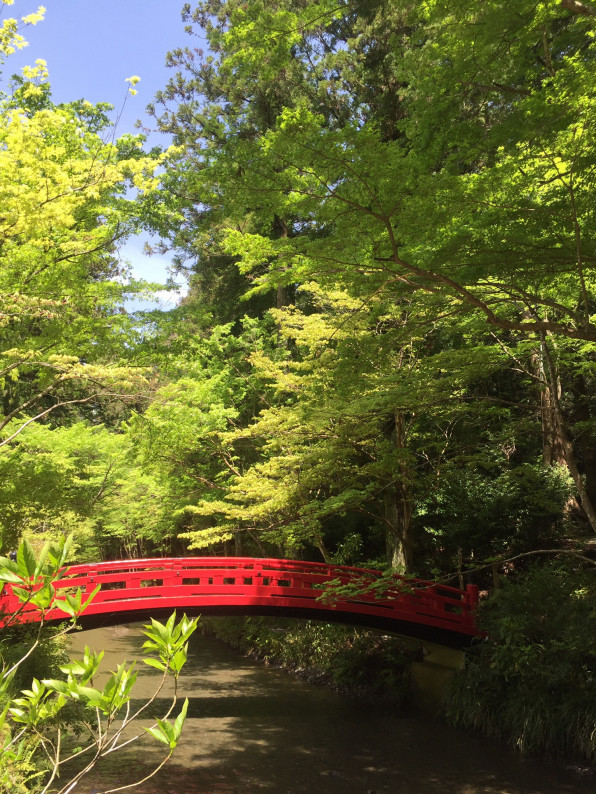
532,683
355,661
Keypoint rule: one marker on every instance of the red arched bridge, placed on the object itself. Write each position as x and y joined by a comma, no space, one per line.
132,590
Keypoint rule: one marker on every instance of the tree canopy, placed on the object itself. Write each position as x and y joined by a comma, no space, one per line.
384,212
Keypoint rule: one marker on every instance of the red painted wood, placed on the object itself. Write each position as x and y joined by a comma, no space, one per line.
260,586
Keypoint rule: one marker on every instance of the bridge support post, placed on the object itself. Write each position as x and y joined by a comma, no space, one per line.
430,677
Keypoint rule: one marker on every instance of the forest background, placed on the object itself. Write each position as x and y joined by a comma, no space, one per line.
386,357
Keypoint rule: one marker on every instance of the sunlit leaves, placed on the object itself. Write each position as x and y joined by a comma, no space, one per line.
11,39
32,578
170,642
64,209
37,705
133,82
169,733
27,721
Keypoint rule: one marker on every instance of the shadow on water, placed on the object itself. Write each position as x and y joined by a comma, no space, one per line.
256,729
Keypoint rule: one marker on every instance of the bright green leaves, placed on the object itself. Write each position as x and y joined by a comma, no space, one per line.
38,705
62,190
427,169
32,578
169,733
169,642
109,700
28,720
134,80
10,38
73,604
504,154
7,575
259,39
254,250
84,669
58,479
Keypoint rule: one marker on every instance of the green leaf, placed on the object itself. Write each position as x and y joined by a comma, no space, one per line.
22,593
178,659
56,685
179,722
10,577
158,734
42,558
26,559
168,731
90,598
155,663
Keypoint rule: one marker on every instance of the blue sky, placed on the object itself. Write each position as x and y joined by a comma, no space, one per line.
91,47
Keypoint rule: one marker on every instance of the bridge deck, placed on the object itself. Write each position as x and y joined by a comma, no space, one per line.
134,589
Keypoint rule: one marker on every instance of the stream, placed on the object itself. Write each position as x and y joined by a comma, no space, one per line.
252,728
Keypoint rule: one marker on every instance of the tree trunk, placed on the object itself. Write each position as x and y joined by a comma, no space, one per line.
399,505
280,231
398,517
558,433
323,549
257,540
549,394
585,446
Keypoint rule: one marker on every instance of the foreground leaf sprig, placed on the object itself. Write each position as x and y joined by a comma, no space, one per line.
31,729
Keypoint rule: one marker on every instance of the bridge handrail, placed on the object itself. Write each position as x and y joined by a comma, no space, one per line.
328,570
199,582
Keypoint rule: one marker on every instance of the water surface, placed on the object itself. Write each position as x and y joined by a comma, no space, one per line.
256,729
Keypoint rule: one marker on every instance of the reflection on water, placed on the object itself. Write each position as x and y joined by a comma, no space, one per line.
255,729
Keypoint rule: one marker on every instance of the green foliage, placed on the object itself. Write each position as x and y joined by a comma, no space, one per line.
31,578
69,197
170,642
53,480
386,213
484,508
44,662
10,37
166,732
375,665
413,193
531,683
70,194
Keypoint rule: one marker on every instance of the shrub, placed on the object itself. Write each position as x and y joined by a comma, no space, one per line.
532,683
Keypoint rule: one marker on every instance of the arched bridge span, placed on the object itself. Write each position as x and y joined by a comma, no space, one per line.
133,590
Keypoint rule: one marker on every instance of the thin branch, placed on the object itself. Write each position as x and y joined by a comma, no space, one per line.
506,560
138,783
42,414
31,401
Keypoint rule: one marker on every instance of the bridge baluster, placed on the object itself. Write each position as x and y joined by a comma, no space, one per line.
218,585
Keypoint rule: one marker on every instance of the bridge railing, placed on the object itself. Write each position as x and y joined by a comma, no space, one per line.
205,582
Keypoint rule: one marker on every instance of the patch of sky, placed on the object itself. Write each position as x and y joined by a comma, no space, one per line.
91,48
154,269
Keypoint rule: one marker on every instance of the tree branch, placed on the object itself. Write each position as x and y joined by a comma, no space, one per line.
576,7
